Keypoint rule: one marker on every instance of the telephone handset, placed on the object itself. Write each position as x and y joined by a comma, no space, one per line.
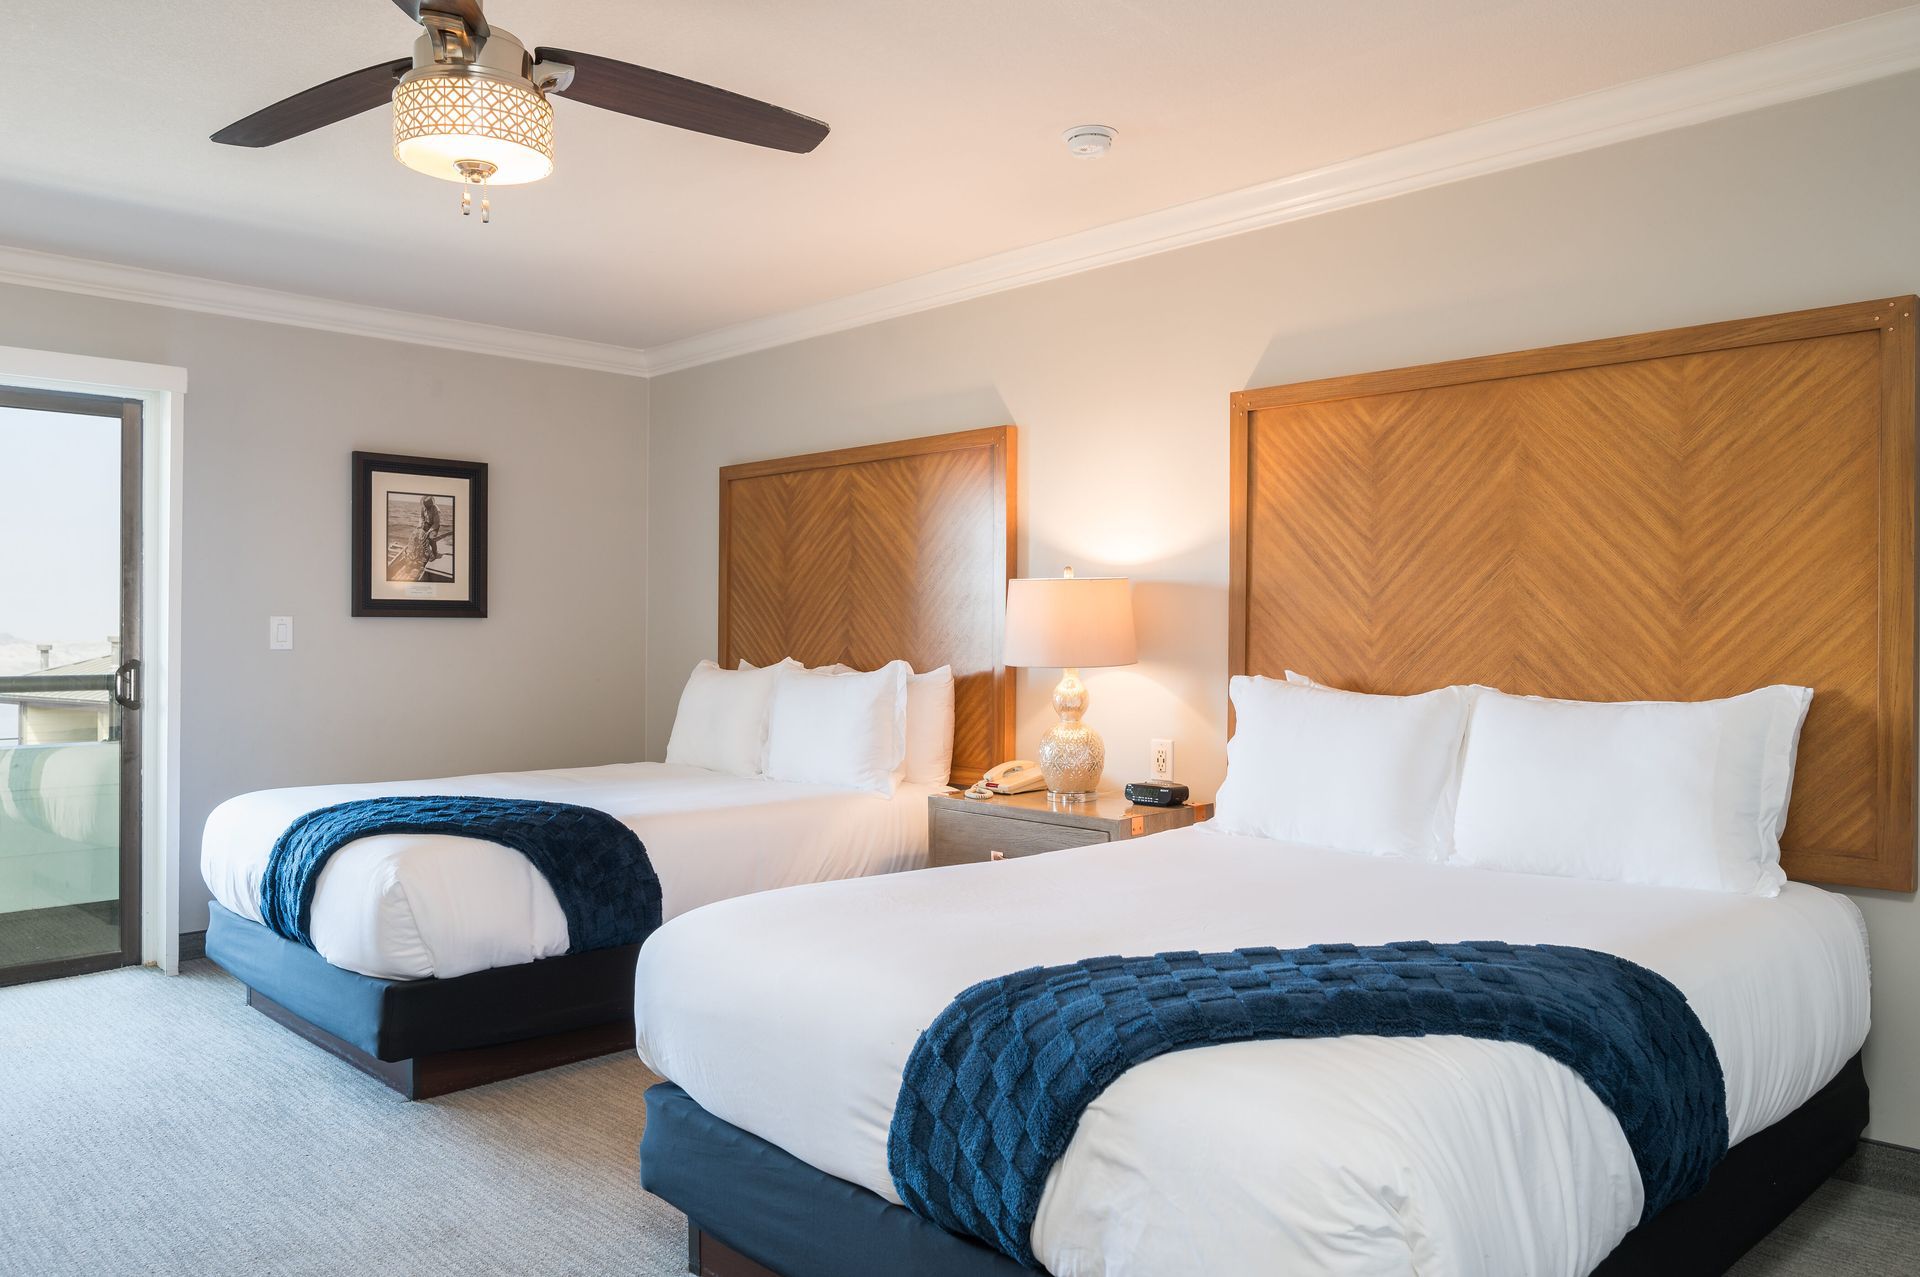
1018,776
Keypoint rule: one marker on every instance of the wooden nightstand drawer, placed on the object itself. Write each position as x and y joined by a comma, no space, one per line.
963,831
965,837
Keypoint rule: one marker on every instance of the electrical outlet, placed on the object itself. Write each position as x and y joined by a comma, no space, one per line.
1160,758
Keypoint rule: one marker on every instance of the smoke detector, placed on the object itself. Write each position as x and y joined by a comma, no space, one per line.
1088,141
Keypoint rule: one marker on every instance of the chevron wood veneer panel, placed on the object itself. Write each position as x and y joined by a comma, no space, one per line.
1679,515
867,555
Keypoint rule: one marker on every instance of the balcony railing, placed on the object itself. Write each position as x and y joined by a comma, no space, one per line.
28,684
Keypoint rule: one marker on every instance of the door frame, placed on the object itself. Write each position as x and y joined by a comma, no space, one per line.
160,390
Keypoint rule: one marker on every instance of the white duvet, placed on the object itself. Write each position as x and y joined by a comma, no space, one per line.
791,1015
409,906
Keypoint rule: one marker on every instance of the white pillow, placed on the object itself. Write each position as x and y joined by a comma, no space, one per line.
1672,793
929,723
783,661
722,720
930,727
1345,770
839,729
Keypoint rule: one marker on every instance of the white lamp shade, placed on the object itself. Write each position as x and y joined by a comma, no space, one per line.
1062,622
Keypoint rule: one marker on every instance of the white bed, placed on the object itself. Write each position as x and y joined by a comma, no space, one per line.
1441,1155
408,906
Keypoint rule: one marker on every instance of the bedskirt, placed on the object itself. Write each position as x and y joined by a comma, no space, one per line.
404,1019
767,1203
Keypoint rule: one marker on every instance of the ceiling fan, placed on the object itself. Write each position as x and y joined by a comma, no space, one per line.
471,104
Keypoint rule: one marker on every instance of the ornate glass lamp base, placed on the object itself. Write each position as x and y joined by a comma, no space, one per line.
1072,755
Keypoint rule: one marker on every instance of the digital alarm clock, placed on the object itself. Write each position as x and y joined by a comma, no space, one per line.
1156,793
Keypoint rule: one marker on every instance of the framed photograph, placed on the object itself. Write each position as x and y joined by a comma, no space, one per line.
419,536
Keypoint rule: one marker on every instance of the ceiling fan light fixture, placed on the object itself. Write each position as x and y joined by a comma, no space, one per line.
448,123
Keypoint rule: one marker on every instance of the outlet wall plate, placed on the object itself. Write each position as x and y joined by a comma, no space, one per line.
1160,760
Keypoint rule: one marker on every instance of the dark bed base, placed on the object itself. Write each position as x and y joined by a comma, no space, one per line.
1762,1181
421,1077
429,1037
754,1210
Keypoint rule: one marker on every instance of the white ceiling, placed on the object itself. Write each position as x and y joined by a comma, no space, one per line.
945,147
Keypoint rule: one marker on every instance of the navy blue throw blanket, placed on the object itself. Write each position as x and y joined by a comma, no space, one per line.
595,864
996,1085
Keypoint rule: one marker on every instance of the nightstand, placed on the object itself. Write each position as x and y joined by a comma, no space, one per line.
964,831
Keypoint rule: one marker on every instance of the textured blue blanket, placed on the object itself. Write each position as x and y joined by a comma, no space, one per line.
595,864
996,1085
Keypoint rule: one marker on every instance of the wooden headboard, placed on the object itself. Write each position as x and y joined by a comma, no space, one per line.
867,555
1676,515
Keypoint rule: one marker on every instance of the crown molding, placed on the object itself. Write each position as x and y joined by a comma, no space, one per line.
1803,67
245,301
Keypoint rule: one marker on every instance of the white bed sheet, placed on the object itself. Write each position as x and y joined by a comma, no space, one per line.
409,906
1442,1155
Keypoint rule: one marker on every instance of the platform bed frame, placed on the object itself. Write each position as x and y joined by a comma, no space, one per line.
421,1077
754,1210
429,1037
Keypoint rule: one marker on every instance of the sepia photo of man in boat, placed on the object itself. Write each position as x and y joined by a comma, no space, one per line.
419,537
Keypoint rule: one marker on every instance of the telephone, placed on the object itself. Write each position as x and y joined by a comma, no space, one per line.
1019,776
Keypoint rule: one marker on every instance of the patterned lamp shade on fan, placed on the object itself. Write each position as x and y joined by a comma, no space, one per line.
1070,623
472,127
444,125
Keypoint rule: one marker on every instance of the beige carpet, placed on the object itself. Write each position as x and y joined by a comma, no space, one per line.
150,1125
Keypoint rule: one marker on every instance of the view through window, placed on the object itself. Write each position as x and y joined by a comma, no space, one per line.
60,519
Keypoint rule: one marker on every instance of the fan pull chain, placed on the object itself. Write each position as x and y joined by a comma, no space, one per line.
476,173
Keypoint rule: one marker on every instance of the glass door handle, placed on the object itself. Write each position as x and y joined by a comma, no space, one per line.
126,685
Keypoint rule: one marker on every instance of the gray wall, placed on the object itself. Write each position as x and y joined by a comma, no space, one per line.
1808,204
552,678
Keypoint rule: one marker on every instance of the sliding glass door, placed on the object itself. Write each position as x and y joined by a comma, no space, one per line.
69,683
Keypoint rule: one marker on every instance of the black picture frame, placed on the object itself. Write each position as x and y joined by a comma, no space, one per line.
365,466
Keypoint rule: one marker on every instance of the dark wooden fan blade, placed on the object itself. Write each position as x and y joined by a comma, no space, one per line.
468,11
318,107
685,104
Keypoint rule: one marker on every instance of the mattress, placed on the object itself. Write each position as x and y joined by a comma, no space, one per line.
411,906
1441,1155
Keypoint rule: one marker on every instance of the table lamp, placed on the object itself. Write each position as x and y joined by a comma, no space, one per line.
1070,622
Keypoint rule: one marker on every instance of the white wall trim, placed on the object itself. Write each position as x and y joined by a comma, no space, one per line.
161,390
57,370
164,416
1803,67
245,301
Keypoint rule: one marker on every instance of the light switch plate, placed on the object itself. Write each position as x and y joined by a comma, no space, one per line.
279,634
1160,760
